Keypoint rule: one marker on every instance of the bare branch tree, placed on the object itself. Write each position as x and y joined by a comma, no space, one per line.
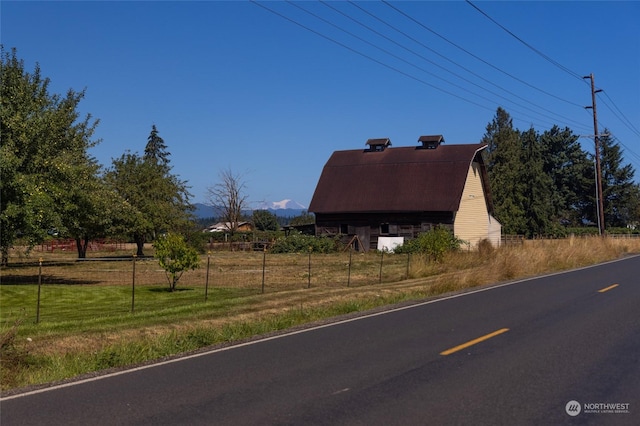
227,196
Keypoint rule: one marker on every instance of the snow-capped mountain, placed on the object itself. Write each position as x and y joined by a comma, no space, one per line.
284,208
281,205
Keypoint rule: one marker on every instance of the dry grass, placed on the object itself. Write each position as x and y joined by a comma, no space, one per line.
286,302
247,269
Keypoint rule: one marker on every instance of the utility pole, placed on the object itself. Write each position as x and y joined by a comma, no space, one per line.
600,204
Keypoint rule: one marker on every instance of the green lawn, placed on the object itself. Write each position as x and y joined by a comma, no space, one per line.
101,293
65,308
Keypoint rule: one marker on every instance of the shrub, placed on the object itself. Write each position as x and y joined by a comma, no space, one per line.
485,248
629,231
198,240
14,358
299,243
582,231
175,257
434,243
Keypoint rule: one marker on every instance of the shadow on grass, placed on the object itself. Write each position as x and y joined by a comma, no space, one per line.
35,264
168,290
46,279
117,258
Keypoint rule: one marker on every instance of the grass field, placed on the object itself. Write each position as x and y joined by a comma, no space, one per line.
95,289
87,322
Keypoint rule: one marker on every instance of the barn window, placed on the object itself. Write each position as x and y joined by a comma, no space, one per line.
344,229
384,228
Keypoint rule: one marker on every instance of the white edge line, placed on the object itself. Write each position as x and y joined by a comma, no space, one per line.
292,333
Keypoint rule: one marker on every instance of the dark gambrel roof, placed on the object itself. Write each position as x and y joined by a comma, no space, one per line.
403,179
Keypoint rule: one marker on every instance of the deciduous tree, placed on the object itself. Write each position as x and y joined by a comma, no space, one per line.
175,257
264,220
228,197
160,197
43,151
91,209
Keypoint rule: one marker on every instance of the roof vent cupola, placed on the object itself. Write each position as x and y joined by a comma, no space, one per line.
377,145
430,141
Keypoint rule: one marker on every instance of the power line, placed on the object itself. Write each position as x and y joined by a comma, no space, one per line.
393,55
415,53
365,55
456,64
477,57
615,110
400,71
624,119
546,57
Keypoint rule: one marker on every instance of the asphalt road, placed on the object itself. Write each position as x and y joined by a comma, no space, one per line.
515,354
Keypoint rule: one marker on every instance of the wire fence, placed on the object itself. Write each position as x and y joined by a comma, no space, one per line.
53,285
75,289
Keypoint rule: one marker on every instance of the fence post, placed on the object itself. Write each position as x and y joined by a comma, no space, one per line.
133,285
408,258
39,286
206,281
309,277
349,271
264,263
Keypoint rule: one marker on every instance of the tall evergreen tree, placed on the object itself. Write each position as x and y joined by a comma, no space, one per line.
618,188
505,170
571,173
156,149
537,188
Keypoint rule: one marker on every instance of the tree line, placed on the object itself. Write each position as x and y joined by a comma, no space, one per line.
49,183
544,184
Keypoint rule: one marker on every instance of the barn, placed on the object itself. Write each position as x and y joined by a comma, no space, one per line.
381,193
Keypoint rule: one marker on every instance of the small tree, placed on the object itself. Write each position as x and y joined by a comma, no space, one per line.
228,198
264,220
175,257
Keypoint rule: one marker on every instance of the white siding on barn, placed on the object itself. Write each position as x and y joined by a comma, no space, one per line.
495,231
472,221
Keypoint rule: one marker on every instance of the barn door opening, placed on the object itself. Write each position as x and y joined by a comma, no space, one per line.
364,235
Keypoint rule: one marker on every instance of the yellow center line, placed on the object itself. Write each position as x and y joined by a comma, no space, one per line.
474,341
602,290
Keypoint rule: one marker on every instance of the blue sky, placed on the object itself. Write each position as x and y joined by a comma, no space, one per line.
270,94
